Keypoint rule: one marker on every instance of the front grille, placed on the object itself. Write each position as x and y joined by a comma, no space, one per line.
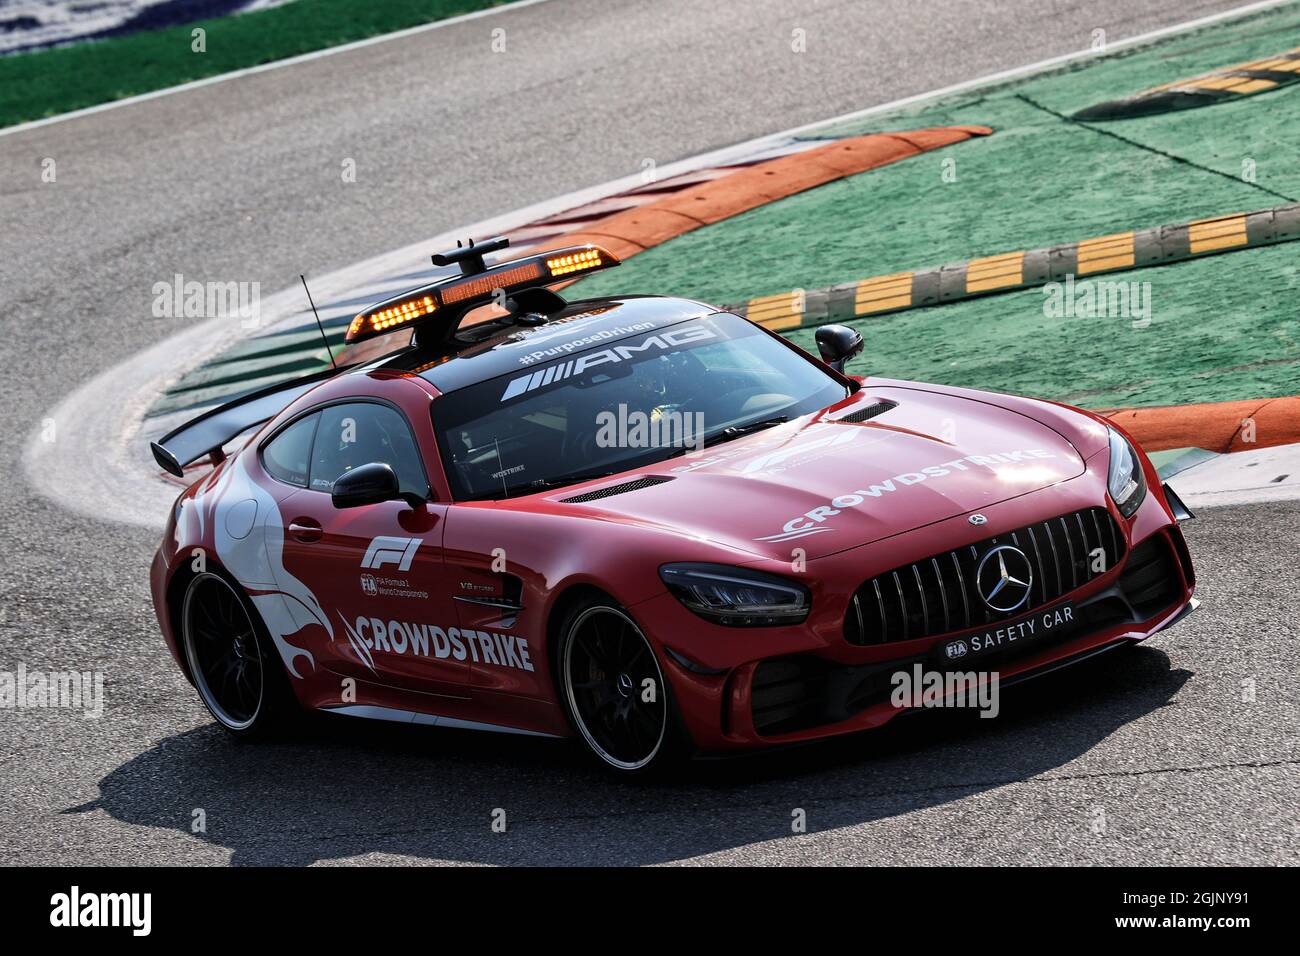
608,491
939,594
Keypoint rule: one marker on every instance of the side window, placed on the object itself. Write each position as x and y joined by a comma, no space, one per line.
288,456
360,433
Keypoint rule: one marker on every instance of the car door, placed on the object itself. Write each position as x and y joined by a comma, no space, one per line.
378,569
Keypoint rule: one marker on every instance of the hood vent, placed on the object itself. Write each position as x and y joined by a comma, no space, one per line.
870,411
635,484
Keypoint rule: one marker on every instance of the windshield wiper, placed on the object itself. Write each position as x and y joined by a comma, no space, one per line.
735,431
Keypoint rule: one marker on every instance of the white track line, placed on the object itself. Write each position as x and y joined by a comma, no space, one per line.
992,78
105,414
265,67
1042,65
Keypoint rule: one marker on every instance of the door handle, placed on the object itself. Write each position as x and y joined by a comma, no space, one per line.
305,529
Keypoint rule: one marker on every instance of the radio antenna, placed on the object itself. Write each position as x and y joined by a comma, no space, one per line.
329,351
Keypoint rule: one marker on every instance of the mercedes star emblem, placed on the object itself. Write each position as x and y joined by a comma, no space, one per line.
1004,577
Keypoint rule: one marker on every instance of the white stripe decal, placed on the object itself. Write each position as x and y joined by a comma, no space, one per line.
411,717
791,535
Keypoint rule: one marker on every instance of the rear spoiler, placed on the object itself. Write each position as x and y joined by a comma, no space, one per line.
207,434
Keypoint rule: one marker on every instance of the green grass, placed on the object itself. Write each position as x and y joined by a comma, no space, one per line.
1033,183
1222,328
48,82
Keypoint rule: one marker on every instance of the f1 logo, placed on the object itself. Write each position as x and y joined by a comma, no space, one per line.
385,550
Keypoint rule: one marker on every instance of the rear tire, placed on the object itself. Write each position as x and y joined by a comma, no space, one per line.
232,661
613,690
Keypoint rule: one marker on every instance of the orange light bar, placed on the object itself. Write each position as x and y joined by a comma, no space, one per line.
581,261
457,296
489,282
390,316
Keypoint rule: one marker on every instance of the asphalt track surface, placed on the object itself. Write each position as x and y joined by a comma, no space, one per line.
1147,756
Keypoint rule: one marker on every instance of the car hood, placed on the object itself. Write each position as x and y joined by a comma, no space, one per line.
823,484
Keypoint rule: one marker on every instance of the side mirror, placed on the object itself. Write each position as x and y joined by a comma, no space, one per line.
367,485
837,344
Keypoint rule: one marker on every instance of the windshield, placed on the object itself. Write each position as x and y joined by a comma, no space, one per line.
615,407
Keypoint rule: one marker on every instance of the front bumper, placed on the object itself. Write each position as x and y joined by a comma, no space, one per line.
739,688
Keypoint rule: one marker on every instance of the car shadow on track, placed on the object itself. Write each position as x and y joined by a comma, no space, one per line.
345,787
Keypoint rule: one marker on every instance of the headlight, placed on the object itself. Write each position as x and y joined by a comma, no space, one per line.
1125,480
737,597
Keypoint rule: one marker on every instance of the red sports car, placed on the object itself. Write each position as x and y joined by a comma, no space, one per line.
641,521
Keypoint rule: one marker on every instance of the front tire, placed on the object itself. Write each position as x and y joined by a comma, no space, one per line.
232,661
614,692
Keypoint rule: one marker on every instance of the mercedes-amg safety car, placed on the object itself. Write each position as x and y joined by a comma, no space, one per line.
640,521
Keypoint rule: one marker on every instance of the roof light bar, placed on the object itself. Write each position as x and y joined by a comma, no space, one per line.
576,261
484,285
384,319
450,298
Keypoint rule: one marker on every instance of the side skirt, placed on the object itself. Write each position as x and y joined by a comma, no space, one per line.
429,720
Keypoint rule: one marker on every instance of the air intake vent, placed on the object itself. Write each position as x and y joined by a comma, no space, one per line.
609,490
1150,580
871,411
